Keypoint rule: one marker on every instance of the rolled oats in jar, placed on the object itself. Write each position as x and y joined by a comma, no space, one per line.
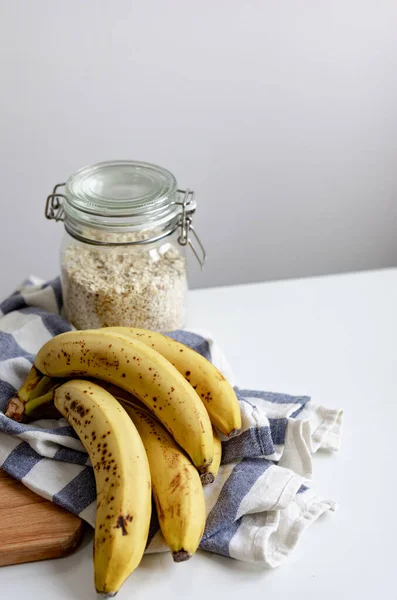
123,252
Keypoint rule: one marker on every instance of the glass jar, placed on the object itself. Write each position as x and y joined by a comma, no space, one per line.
122,255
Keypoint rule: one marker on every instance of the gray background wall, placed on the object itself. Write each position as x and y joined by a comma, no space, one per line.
281,115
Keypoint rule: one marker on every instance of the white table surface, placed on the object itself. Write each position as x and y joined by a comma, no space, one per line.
335,339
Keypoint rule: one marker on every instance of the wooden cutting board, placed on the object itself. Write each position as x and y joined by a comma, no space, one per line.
32,528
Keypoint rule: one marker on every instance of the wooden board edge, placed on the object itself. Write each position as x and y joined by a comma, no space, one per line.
14,556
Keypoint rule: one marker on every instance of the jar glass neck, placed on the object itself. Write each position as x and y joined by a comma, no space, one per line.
104,235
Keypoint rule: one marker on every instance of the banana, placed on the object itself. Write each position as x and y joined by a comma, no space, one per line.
177,489
34,386
127,399
122,479
214,390
141,371
212,472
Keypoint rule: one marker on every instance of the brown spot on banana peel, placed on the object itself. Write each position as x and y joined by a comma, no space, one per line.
122,524
33,384
175,483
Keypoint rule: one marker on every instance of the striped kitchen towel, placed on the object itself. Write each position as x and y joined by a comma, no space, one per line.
261,501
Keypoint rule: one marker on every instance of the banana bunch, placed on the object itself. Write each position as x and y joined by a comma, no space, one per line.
148,410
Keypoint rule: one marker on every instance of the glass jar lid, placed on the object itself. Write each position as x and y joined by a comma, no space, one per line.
124,196
120,188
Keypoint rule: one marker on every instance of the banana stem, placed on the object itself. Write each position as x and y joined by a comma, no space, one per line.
31,382
35,385
45,384
40,402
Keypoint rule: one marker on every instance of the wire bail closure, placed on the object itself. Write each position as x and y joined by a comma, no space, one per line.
54,206
54,211
188,207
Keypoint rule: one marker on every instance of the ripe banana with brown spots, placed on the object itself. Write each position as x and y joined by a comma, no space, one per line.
214,390
141,371
122,479
177,489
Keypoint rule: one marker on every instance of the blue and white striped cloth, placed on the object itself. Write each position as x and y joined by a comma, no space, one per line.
261,501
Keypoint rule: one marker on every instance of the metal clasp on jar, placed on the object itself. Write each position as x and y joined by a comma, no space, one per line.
54,211
188,207
54,205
